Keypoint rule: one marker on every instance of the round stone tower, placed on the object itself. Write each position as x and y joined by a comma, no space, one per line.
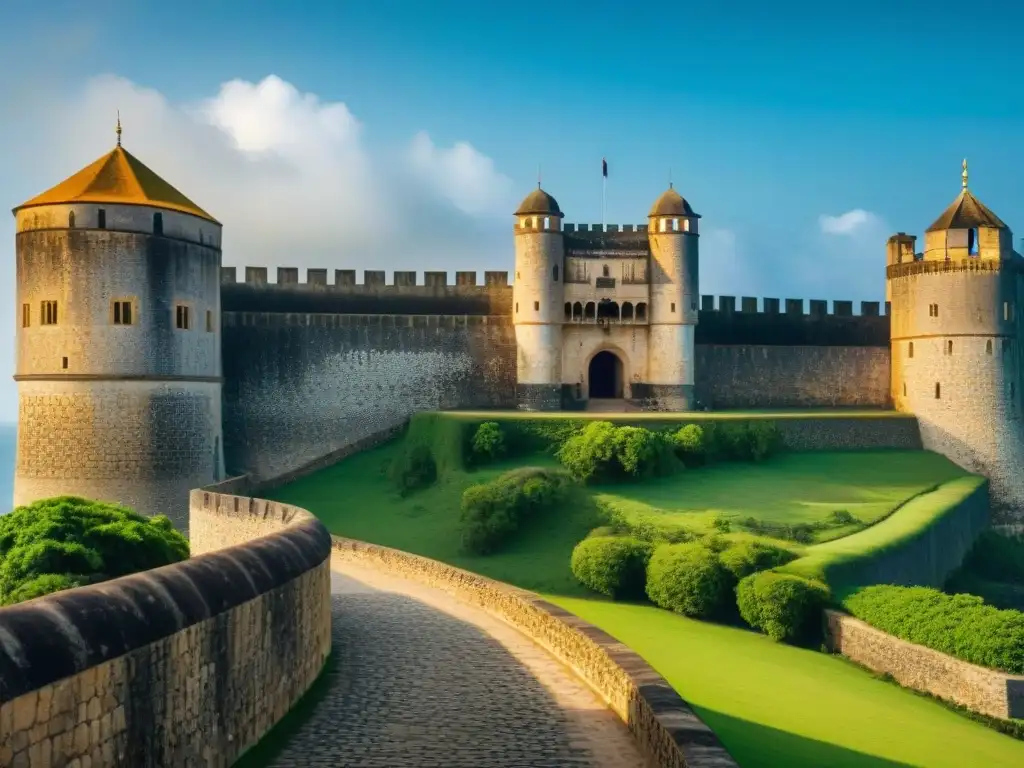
118,341
537,310
675,295
956,360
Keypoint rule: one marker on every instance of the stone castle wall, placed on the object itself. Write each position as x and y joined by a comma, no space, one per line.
982,690
190,664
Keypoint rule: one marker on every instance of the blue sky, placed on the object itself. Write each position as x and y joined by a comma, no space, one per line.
769,116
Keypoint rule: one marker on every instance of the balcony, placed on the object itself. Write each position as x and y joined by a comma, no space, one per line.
606,312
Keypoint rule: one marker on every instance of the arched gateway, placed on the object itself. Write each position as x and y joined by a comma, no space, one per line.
604,376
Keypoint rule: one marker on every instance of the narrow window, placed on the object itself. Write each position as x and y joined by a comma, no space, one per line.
536,306
988,347
209,321
949,347
910,349
517,275
48,313
182,320
122,312
547,222
673,306
158,223
972,242
26,315
604,271
1007,311
554,272
517,307
64,363
101,219
686,225
938,390
71,220
904,389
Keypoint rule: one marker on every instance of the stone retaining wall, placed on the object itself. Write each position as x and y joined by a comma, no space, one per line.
979,689
189,664
664,726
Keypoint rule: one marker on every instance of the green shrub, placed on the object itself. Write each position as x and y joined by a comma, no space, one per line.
604,452
488,443
691,445
615,566
689,579
65,542
963,626
414,469
783,606
740,441
997,558
749,557
492,512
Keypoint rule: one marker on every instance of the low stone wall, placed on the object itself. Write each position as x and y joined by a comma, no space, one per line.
664,726
189,664
981,690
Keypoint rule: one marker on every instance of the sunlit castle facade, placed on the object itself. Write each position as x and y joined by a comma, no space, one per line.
605,312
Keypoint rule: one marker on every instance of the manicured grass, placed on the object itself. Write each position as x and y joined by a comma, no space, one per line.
790,489
773,705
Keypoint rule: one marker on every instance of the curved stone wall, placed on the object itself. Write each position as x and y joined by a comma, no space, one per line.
189,664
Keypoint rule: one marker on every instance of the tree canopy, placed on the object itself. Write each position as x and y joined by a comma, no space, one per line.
66,542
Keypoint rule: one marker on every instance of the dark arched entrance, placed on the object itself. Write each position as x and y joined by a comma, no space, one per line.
605,376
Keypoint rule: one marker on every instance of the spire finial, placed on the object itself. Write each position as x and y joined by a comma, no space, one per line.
538,175
118,130
670,178
963,176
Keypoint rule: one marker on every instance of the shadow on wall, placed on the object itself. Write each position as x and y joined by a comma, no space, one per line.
755,744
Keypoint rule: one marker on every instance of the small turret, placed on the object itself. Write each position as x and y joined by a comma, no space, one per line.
537,301
674,284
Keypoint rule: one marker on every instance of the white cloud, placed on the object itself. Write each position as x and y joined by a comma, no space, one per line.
849,223
291,176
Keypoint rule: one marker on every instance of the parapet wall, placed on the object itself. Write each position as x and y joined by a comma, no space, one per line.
982,690
190,664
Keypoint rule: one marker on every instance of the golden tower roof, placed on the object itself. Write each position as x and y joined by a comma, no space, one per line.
118,178
966,212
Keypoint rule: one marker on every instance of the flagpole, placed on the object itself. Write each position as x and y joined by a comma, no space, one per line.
604,201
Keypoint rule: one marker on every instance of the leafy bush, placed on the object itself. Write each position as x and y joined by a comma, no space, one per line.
963,626
604,452
691,445
65,542
615,566
997,558
488,443
740,441
689,579
749,557
783,606
492,512
414,469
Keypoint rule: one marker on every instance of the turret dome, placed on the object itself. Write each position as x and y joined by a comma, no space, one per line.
539,202
671,203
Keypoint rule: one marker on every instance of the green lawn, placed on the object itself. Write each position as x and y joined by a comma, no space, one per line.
772,705
792,488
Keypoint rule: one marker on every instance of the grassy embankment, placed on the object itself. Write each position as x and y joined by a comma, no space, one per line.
771,704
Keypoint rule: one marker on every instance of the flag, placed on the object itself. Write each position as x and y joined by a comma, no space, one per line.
604,167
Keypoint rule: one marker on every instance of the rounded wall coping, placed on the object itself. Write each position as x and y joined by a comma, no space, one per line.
665,727
59,635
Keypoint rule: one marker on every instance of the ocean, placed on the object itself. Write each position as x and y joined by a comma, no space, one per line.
8,449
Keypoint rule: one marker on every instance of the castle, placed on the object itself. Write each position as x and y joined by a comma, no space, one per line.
146,369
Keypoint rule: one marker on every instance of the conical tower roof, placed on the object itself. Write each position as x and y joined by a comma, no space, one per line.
118,178
966,212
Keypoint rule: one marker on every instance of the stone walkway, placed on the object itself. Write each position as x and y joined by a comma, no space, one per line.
424,680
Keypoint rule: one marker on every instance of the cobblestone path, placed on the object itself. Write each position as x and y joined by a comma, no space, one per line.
423,680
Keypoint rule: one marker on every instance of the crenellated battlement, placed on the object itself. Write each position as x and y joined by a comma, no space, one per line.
346,278
814,308
604,229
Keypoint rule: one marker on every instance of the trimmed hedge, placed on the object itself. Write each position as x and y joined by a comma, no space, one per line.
920,544
783,606
492,512
604,452
962,626
615,566
747,557
690,579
